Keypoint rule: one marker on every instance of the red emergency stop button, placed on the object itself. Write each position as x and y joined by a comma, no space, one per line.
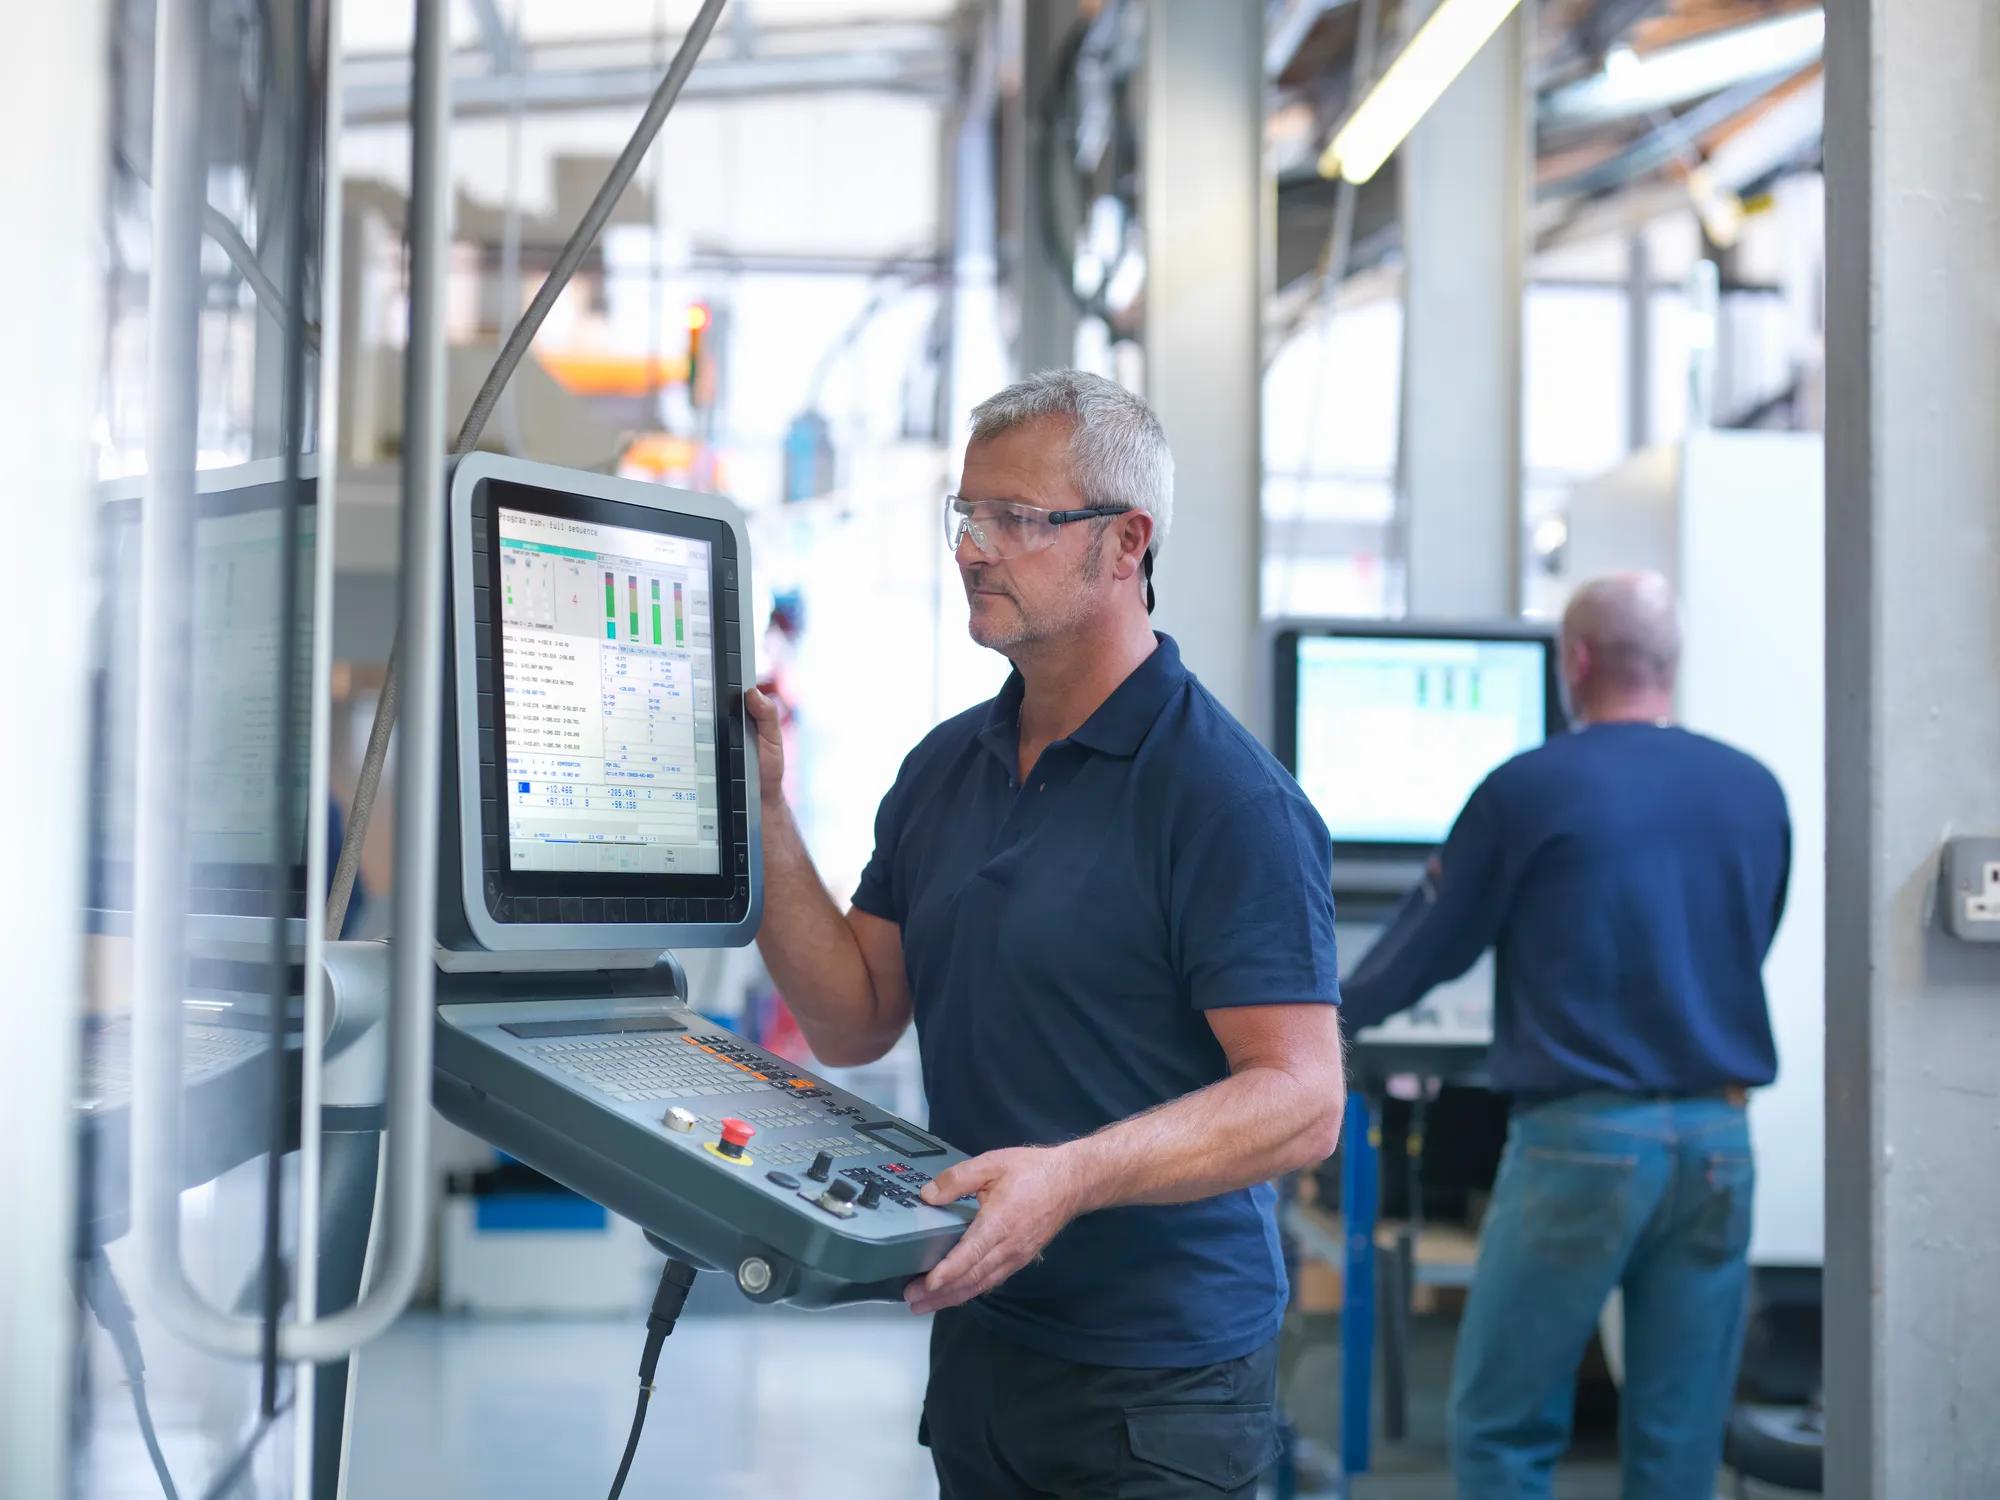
735,1136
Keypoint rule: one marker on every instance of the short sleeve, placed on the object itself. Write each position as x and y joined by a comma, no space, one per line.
880,892
1252,905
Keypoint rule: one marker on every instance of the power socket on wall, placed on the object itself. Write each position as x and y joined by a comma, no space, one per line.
1970,873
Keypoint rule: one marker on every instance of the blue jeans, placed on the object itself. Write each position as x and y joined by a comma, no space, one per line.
1595,1192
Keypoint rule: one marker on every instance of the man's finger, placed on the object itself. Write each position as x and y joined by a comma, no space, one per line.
1000,1249
992,1269
968,1252
956,1182
763,712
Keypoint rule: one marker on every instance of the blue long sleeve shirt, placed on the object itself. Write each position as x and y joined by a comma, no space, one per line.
1630,878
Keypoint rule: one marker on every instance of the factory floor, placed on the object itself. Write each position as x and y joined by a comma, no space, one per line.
755,1403
751,1403
763,1404
1417,1467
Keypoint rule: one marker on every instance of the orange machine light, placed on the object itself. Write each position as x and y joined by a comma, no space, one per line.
660,453
590,372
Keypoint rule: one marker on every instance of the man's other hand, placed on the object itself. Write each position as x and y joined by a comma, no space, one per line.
1026,1195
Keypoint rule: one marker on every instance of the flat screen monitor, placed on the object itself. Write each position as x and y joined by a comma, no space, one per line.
1390,728
598,641
239,863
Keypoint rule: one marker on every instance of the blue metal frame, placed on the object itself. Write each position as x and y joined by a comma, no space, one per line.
1360,1206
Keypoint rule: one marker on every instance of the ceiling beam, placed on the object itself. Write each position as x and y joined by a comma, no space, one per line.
495,35
1287,25
385,99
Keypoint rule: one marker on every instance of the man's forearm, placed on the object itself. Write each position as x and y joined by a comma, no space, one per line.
809,948
1254,1125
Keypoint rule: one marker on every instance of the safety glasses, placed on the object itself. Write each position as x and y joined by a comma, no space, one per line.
1001,529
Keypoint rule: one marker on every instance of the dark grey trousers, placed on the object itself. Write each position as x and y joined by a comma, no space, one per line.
1006,1423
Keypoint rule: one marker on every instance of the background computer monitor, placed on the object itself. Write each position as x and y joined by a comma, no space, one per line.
598,774
242,870
1390,727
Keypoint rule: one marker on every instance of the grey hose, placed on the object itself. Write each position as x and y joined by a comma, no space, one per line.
229,239
369,781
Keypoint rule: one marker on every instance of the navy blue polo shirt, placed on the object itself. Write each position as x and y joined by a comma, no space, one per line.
1063,936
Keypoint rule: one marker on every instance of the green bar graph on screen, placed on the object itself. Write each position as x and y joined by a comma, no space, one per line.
680,619
610,608
632,598
656,612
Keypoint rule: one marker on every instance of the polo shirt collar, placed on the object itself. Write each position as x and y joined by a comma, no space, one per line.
1121,722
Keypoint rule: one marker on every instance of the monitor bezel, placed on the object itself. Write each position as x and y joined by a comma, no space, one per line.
1287,634
612,501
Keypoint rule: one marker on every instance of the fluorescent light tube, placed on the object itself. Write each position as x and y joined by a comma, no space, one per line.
1675,75
1421,73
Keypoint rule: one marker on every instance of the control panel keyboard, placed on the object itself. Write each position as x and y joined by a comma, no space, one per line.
205,1051
721,1149
691,1070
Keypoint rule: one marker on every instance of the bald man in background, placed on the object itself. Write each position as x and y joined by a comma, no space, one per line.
1630,877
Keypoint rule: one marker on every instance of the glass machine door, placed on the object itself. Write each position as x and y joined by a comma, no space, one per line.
200,788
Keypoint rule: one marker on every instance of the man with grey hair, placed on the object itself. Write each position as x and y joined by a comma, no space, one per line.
1109,912
1631,877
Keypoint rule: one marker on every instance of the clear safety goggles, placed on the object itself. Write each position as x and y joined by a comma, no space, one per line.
1001,529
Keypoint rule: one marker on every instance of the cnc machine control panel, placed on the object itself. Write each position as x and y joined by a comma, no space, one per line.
745,1163
602,810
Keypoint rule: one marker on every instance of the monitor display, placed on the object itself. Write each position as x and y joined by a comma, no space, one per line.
607,678
237,742
1389,734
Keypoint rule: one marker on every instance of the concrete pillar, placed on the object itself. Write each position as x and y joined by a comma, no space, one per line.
52,90
1045,334
978,362
1913,743
1465,176
1638,341
1203,203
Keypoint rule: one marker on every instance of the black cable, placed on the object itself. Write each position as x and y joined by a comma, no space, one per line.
675,1282
227,1478
142,1412
99,1291
632,1440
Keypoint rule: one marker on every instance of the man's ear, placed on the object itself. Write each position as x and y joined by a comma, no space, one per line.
1135,535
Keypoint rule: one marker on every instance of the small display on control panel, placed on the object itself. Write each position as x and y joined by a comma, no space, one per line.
900,1138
